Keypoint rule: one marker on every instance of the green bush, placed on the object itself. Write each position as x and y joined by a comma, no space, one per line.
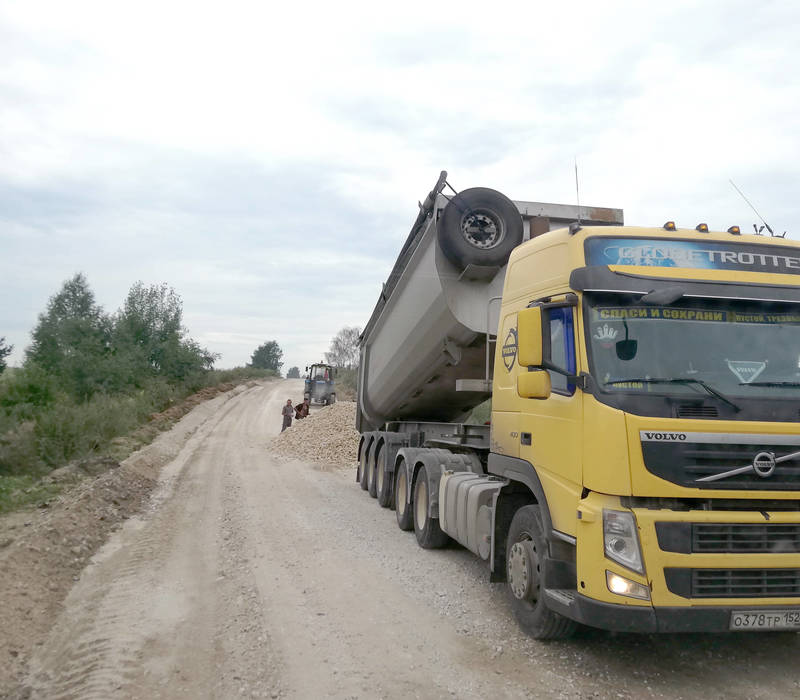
346,384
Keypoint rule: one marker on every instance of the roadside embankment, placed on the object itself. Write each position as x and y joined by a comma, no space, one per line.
44,549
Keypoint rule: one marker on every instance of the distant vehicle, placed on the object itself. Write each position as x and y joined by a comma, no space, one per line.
320,387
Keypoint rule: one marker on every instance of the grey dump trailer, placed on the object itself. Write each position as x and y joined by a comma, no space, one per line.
426,360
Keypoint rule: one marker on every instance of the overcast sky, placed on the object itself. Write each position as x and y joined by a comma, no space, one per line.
266,161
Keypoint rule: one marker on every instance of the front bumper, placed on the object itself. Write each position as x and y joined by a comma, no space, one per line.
643,619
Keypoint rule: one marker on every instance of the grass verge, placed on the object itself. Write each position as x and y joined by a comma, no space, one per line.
36,439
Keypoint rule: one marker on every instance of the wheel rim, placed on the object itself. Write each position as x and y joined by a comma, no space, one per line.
482,228
421,503
524,570
402,492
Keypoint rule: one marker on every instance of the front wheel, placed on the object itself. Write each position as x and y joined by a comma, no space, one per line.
526,561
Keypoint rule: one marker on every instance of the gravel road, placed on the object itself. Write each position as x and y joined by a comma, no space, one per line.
253,575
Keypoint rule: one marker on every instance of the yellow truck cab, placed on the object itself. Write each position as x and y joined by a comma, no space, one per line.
641,469
647,387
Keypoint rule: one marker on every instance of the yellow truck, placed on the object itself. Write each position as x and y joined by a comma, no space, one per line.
641,469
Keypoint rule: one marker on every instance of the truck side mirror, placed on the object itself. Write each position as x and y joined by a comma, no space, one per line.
529,337
534,385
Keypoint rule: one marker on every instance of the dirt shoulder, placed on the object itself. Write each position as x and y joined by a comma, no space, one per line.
44,549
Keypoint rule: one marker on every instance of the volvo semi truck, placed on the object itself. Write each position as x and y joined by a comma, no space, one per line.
641,468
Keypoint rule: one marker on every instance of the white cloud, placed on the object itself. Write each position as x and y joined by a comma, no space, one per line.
266,159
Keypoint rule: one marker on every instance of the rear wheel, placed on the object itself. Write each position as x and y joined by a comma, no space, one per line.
526,562
371,474
383,480
402,507
429,534
362,468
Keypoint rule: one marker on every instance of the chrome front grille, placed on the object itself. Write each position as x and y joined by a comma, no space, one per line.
688,458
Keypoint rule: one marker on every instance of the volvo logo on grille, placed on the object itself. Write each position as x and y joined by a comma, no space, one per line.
764,464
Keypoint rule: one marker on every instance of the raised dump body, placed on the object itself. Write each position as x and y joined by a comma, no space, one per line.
424,350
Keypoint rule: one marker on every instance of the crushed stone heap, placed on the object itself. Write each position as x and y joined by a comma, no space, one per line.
327,435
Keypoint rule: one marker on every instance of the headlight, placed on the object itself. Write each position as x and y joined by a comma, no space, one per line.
621,540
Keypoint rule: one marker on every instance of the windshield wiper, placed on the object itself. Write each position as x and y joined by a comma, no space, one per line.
769,383
677,380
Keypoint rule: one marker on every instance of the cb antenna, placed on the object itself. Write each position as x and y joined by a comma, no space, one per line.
749,203
577,191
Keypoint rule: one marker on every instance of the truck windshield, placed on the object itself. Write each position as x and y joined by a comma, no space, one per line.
695,347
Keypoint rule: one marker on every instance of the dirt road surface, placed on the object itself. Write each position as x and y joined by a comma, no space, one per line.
254,576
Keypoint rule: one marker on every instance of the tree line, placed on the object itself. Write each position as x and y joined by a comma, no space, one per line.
343,353
89,376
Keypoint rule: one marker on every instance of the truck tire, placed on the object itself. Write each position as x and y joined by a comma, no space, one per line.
332,399
479,227
362,468
371,474
402,507
429,534
526,551
383,480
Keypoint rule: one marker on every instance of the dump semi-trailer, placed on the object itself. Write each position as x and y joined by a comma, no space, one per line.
641,471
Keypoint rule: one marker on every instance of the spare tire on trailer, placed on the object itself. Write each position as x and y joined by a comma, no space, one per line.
479,226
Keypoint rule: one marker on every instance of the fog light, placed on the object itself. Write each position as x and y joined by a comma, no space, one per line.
623,586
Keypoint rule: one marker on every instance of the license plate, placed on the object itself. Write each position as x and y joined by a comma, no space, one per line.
766,619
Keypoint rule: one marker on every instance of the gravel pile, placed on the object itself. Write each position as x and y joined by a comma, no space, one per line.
327,436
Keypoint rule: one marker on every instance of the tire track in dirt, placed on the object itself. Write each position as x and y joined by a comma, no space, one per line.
148,589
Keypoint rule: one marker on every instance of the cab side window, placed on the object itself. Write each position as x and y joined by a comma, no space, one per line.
562,348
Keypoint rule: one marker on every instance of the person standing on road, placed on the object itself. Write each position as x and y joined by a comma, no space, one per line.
287,412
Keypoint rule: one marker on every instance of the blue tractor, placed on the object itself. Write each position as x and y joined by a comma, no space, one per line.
319,386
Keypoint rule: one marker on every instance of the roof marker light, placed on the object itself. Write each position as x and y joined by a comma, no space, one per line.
703,228
735,231
669,226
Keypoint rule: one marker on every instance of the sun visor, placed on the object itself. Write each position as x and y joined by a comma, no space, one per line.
601,278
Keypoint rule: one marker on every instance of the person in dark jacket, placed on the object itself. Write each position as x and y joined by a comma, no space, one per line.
301,411
287,412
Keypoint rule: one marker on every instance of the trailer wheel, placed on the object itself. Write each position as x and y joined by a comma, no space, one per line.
371,460
479,227
429,534
526,561
402,507
362,468
383,482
